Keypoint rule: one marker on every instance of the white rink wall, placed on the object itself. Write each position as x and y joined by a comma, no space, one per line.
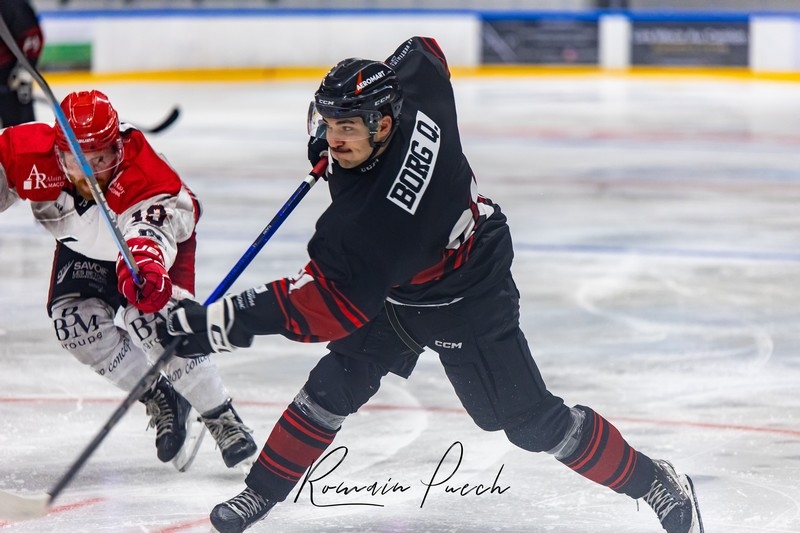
157,40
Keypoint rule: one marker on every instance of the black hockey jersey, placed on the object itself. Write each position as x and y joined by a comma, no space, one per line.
407,226
23,23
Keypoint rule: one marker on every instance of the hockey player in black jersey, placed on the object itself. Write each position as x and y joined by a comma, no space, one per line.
16,84
408,254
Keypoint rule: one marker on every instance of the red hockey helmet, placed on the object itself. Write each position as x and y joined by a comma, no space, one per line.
92,118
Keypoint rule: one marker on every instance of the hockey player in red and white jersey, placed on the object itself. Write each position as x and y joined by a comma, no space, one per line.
408,255
156,213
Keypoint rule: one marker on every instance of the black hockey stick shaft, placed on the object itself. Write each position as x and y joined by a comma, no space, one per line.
169,351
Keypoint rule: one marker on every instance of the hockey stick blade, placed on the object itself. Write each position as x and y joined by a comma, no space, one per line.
14,507
164,124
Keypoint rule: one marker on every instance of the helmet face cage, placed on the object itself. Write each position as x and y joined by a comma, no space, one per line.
108,158
96,126
355,88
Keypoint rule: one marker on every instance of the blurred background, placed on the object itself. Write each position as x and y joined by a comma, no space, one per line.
743,37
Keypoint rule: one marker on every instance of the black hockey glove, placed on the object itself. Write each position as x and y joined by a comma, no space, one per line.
317,149
207,329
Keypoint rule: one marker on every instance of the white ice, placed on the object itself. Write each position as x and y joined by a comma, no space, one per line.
657,233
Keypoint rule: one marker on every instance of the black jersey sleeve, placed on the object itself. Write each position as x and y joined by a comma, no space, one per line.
23,23
418,49
308,308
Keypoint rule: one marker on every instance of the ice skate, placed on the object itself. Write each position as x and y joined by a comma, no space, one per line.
232,436
240,512
194,438
168,411
673,499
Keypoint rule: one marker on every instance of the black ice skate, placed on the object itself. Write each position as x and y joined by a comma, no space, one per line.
168,412
673,499
240,512
232,436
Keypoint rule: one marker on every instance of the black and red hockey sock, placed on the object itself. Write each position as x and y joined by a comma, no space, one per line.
604,457
295,443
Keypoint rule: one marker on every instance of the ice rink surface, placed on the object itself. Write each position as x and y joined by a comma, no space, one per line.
657,234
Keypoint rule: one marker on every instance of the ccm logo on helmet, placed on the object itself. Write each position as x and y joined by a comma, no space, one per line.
415,175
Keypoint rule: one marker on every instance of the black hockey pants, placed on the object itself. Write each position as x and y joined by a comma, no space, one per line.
484,354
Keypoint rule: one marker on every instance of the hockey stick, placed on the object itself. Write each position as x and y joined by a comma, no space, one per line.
75,148
168,121
18,507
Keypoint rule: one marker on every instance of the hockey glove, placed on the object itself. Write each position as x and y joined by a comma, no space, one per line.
21,82
207,329
156,288
317,149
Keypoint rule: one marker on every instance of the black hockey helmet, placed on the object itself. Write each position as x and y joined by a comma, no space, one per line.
356,87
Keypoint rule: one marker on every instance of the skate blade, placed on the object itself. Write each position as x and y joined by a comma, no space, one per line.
697,520
195,430
245,466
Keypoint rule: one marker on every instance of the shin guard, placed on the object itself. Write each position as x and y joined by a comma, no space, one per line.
295,443
603,456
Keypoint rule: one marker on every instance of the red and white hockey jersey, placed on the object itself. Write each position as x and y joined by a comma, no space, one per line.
146,196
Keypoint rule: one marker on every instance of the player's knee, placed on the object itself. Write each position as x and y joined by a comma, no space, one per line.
544,427
86,329
341,385
142,329
313,410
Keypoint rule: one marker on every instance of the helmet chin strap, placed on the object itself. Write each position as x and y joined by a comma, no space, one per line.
377,145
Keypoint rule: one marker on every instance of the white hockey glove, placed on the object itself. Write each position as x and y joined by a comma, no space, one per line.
21,82
208,329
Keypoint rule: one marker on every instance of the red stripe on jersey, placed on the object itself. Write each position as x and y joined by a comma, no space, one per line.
278,289
433,46
308,301
356,316
182,271
452,260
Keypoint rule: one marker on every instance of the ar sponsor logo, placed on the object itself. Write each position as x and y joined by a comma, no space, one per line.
40,180
415,175
448,344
